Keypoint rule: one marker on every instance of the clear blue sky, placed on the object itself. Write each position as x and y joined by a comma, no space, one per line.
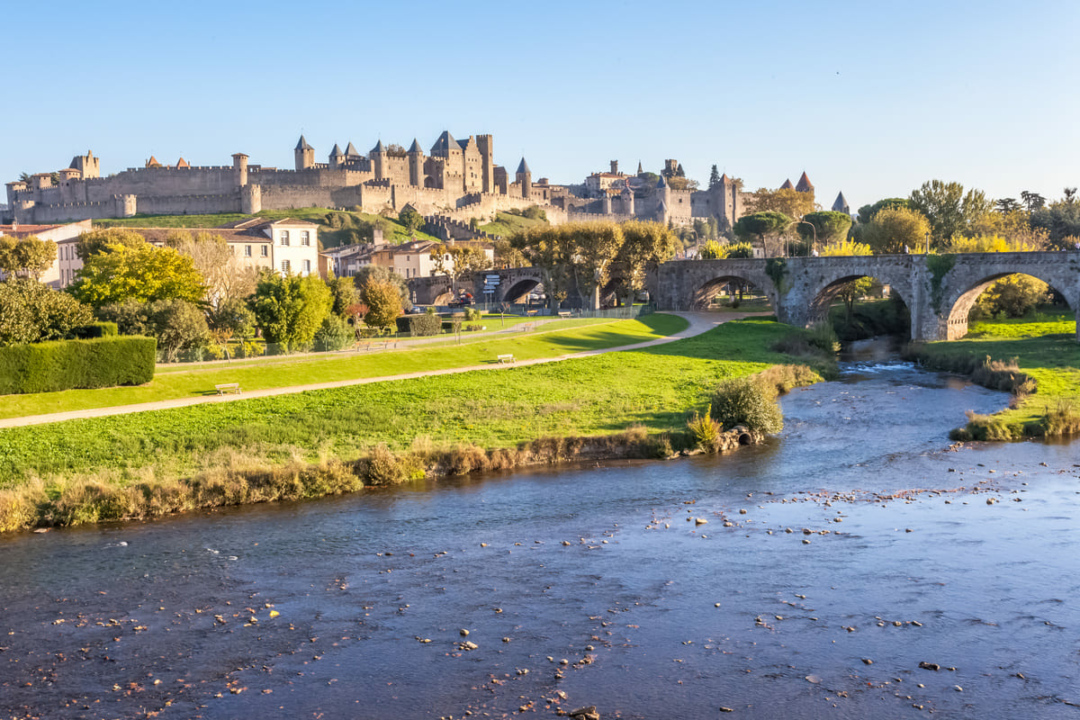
871,98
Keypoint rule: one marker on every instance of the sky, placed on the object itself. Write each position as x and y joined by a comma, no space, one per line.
870,98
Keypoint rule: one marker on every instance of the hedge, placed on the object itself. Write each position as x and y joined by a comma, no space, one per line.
426,324
66,364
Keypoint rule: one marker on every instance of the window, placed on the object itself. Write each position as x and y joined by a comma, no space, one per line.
247,251
265,251
284,237
305,238
285,266
307,266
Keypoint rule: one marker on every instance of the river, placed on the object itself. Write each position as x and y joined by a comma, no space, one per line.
903,550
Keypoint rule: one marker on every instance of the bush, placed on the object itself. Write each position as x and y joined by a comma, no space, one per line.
421,325
334,334
452,326
747,402
67,364
706,431
31,312
180,327
95,330
131,317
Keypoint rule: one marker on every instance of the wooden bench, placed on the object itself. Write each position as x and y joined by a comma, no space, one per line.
505,358
530,313
227,387
565,314
525,327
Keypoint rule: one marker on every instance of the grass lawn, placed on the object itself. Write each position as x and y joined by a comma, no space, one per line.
1045,348
187,381
506,224
600,395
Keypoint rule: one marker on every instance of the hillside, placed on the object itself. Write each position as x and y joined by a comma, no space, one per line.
507,224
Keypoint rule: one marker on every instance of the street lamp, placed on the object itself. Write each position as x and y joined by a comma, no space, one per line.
926,244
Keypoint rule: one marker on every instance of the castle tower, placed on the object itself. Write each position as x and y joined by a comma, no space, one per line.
378,160
663,194
614,167
486,144
337,158
240,165
304,154
250,199
606,203
416,164
787,185
524,178
87,165
628,200
351,154
639,170
841,204
804,185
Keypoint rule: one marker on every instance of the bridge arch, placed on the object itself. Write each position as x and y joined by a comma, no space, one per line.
958,301
517,290
705,292
839,271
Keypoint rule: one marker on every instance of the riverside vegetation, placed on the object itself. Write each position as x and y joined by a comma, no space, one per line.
631,404
1036,358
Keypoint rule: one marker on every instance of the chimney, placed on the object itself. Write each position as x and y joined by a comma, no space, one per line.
614,167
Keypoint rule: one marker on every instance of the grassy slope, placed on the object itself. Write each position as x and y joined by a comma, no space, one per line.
397,235
198,380
599,395
506,224
1045,348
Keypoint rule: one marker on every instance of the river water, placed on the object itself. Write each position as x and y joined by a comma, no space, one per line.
656,616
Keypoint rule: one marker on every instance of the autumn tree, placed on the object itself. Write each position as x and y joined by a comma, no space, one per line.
457,260
895,229
548,249
948,208
141,272
644,246
764,227
383,302
226,275
344,294
787,201
289,309
372,273
712,250
25,256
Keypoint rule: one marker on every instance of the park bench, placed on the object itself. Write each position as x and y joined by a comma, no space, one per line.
525,327
227,387
565,314
506,358
530,313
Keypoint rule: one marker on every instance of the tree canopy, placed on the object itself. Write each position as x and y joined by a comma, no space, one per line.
32,312
763,227
948,208
372,273
141,272
828,227
289,309
226,276
96,241
25,256
383,303
895,229
787,201
867,212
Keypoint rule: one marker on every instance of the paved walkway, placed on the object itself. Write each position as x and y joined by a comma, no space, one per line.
699,323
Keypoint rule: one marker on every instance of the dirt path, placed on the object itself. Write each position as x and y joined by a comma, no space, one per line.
699,323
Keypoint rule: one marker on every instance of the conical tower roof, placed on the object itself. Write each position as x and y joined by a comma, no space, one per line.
415,147
662,184
350,151
639,170
378,147
336,152
804,184
523,167
787,185
303,145
841,204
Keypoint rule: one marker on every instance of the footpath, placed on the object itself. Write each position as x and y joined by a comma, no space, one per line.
699,323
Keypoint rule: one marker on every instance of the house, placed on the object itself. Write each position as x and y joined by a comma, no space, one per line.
62,272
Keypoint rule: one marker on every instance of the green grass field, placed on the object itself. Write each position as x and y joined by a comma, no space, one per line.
600,395
506,224
1045,348
199,379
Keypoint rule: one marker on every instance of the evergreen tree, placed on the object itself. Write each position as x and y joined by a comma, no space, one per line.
714,177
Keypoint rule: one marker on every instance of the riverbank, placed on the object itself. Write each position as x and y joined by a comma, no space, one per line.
1036,358
330,441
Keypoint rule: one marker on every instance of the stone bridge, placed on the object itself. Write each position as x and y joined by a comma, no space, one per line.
514,286
938,290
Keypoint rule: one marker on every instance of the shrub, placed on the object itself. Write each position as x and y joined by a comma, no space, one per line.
66,364
452,326
706,431
422,325
334,334
747,402
95,330
179,327
31,312
233,314
131,317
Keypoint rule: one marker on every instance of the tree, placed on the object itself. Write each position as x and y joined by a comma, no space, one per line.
534,212
226,275
334,334
233,316
383,302
867,212
344,295
32,312
762,226
96,241
681,183
948,208
458,260
370,273
506,255
178,325
549,249
828,227
712,250
27,256
1032,201
895,229
1007,205
789,201
1013,296
289,308
144,273
714,177
644,246
410,218
849,292
1061,221
131,317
